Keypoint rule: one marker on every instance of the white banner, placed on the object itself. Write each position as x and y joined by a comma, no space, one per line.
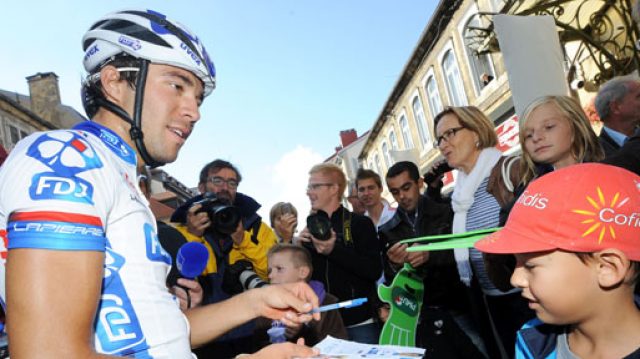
532,56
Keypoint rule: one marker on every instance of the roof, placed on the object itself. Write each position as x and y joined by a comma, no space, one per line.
67,115
430,36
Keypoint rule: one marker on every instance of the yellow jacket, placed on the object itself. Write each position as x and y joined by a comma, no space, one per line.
252,249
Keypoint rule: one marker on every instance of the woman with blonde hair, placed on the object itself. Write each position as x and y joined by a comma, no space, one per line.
555,132
467,139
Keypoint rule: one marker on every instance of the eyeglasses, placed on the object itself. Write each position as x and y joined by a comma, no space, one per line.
447,135
315,186
218,181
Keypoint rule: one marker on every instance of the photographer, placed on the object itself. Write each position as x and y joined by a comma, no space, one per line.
344,250
231,250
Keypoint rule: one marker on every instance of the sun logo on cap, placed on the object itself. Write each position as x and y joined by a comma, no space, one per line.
596,221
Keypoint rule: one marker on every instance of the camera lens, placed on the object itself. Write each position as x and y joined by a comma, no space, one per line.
319,225
225,218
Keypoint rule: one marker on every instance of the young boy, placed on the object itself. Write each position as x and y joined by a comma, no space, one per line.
290,263
576,236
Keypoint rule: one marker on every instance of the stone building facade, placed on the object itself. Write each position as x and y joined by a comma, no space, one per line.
41,110
457,62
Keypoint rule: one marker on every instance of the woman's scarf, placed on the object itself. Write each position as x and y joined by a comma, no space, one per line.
462,199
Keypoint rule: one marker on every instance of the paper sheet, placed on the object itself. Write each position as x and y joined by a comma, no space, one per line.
331,348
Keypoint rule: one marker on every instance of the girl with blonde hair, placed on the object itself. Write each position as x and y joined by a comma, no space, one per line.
555,132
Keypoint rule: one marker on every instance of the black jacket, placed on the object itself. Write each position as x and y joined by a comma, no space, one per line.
609,145
442,284
628,156
350,271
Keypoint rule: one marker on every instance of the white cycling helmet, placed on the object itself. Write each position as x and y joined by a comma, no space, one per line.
148,35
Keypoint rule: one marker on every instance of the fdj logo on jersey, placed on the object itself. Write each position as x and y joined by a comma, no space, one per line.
118,330
50,186
65,153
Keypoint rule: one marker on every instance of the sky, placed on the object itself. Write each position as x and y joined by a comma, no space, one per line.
291,74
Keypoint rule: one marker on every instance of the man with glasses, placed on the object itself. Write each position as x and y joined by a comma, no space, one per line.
348,262
247,247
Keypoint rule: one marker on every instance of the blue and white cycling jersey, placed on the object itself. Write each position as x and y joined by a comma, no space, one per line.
76,190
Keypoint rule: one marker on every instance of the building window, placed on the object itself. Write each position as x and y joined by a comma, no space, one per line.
406,134
393,140
15,135
452,77
433,96
354,164
374,163
371,166
418,114
385,155
481,66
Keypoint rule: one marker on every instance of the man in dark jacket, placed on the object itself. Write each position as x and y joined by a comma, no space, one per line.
348,261
628,156
445,310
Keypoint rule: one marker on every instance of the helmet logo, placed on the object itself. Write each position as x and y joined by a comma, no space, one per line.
92,51
193,56
133,44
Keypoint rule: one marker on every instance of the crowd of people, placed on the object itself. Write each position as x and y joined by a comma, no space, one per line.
90,273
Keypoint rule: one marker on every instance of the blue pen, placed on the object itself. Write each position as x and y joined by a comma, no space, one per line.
346,304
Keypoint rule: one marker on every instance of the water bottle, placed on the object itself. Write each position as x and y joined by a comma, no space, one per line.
276,332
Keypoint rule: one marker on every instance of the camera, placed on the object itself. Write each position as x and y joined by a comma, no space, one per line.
319,225
239,277
437,171
223,215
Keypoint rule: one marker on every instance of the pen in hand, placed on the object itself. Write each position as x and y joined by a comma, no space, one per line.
346,304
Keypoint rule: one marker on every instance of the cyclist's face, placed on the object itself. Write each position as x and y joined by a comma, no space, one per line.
170,110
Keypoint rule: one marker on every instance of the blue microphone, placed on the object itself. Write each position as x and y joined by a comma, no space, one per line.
191,260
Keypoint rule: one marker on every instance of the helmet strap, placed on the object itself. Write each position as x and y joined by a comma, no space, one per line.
136,128
136,123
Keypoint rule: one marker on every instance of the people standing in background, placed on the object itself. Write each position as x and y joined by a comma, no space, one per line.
356,204
579,281
445,328
284,221
467,140
246,247
369,187
555,133
291,263
348,261
618,106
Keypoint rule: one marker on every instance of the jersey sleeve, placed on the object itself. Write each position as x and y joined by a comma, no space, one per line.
52,194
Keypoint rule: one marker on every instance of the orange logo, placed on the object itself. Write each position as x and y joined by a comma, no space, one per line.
603,216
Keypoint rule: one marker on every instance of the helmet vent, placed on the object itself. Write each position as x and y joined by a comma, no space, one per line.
176,31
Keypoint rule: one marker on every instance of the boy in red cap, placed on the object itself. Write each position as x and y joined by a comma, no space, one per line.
576,236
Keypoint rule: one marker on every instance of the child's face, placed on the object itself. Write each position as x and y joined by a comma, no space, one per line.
557,284
283,270
548,136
